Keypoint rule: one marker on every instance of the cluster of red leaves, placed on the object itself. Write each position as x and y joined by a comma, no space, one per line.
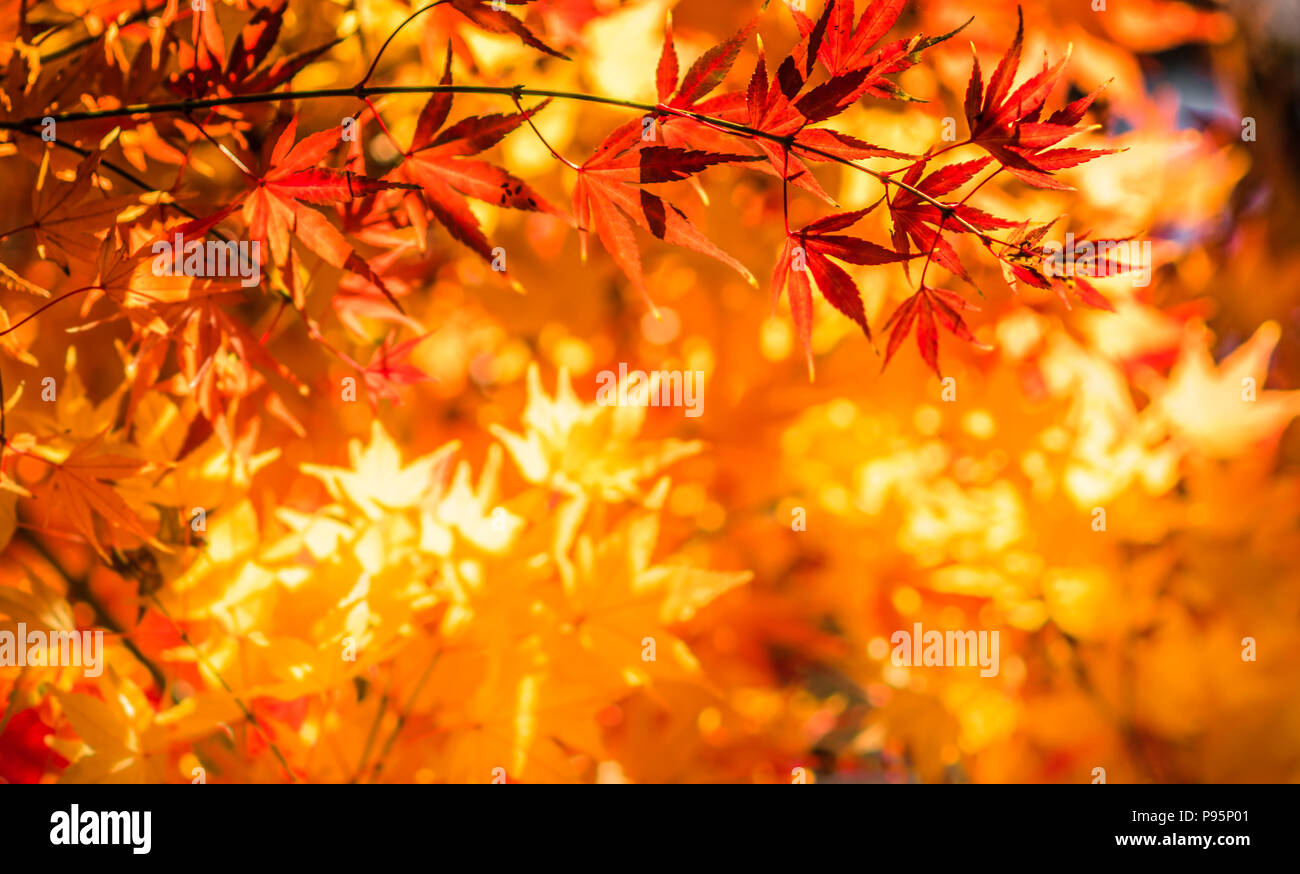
207,69
293,202
776,125
779,122
1005,123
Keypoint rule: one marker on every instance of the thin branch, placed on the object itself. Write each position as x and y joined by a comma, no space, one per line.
404,715
362,91
370,72
79,589
371,735
397,147
244,708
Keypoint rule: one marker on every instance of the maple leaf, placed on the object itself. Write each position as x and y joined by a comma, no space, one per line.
389,369
845,50
244,70
764,107
275,209
436,164
489,16
1204,402
769,109
143,278
69,225
121,738
376,479
73,416
216,354
923,308
607,199
577,447
81,487
1006,122
615,594
809,251
1064,272
761,107
706,73
446,24
510,629
361,297
691,95
1087,264
840,44
667,69
919,221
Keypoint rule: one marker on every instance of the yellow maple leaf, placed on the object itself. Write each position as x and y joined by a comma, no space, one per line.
576,447
119,739
621,608
1222,410
377,479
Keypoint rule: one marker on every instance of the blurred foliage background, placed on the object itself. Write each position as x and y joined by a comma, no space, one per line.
1120,649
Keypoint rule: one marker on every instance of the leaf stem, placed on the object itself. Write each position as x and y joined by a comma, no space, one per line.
36,312
528,117
943,215
234,159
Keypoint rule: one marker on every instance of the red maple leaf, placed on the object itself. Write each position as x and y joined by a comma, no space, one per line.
1028,262
388,369
1007,123
436,164
846,51
691,95
488,15
275,209
205,67
809,251
923,309
919,221
762,106
608,198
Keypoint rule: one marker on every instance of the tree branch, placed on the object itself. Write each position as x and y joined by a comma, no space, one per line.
512,91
